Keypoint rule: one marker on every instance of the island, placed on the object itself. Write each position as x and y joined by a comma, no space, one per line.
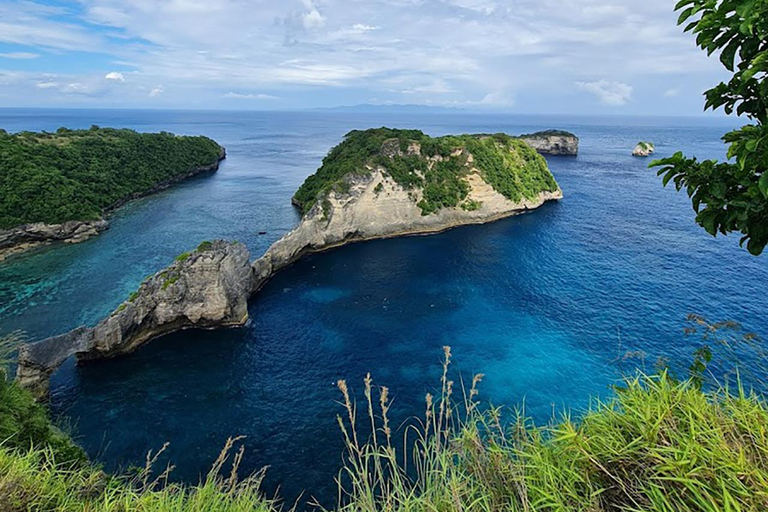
377,183
61,186
643,149
553,142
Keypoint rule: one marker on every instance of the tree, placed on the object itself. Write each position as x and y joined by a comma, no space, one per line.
730,196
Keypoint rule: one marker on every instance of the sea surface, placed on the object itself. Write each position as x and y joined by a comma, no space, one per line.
544,304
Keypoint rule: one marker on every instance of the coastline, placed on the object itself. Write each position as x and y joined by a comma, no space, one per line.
20,239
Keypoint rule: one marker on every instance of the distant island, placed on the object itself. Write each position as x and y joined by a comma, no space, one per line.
377,183
59,186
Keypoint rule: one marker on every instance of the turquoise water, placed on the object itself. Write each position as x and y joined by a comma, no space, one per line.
542,304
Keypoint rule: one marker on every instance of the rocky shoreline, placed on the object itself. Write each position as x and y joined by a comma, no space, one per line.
22,238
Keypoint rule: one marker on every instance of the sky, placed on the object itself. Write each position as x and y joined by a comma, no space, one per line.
526,56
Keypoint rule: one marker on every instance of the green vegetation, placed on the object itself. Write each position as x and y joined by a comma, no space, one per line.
547,133
79,174
183,256
24,423
439,169
205,246
730,196
645,145
659,445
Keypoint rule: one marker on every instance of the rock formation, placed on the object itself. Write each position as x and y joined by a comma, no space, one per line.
401,188
375,206
205,289
27,236
643,149
553,142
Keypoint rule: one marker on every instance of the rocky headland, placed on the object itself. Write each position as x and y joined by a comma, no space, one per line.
553,142
376,184
28,236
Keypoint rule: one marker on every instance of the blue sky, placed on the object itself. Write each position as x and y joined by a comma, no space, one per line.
526,56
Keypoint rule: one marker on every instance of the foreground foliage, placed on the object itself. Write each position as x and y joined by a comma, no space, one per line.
658,445
78,174
731,196
437,166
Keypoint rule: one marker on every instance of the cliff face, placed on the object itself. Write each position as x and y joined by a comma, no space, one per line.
376,206
208,288
553,142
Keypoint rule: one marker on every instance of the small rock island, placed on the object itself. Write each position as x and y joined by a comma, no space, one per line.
377,183
60,186
643,149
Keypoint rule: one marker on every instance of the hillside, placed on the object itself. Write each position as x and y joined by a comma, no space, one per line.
78,175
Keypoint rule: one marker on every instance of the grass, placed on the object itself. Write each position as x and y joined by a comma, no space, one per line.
659,445
35,481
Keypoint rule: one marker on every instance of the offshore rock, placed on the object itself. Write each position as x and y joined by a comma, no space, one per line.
643,149
205,289
553,142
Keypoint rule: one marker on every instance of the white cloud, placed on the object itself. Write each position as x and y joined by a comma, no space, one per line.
671,93
609,93
19,55
312,19
334,51
47,85
361,28
249,96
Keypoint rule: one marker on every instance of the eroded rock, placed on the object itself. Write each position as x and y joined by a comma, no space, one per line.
205,289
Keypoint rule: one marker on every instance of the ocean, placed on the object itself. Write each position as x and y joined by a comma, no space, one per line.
544,304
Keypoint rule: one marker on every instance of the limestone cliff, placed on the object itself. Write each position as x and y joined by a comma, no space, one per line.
207,288
553,142
376,206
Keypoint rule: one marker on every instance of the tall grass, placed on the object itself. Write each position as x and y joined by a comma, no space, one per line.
34,481
658,445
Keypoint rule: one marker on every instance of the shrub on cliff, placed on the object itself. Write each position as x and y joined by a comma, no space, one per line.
77,174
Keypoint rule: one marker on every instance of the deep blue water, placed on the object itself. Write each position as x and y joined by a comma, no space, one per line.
542,304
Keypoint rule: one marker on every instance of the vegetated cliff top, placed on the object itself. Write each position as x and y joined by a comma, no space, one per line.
436,165
78,174
548,133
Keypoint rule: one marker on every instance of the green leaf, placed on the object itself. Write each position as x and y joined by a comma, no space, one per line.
763,183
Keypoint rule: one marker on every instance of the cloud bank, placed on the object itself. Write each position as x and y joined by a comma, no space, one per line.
533,55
